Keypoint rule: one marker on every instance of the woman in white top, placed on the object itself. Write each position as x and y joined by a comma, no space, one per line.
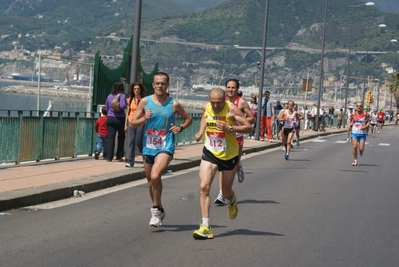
373,122
291,119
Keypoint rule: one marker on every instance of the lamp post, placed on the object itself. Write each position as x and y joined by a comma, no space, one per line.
136,44
321,69
262,72
349,52
367,48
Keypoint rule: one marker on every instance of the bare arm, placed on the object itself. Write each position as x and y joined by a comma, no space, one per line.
178,108
281,115
244,126
138,119
243,105
198,136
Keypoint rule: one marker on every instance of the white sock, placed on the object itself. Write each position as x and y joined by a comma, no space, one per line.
205,221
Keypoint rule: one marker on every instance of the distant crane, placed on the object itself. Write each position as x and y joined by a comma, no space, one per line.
221,77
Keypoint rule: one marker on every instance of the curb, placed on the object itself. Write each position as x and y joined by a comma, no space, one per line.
48,193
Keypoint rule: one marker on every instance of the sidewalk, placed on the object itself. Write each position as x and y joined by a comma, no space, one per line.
35,183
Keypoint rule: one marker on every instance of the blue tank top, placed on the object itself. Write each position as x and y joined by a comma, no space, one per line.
157,137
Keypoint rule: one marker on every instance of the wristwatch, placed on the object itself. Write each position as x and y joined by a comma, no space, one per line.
231,128
181,128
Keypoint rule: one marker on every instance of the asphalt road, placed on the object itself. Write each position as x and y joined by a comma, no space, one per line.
313,210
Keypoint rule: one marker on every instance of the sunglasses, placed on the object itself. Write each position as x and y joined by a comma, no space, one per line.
358,106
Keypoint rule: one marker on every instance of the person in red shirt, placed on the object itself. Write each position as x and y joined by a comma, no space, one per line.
102,134
380,119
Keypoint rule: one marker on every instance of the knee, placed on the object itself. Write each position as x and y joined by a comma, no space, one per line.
204,189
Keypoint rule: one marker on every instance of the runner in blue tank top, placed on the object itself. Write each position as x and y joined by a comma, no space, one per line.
158,138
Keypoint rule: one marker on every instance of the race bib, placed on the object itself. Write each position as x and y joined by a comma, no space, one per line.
216,141
357,127
156,139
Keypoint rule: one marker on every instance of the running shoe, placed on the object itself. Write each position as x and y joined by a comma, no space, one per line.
220,200
354,163
240,174
347,139
156,217
282,148
297,142
378,132
96,155
128,165
361,153
203,232
286,156
292,146
233,209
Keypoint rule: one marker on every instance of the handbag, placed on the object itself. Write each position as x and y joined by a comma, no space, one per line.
115,103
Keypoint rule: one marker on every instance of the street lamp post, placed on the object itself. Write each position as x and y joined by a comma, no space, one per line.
349,51
262,73
321,68
367,47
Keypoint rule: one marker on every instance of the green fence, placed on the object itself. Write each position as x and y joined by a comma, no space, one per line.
26,136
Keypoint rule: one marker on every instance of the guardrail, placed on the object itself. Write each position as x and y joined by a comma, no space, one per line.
31,136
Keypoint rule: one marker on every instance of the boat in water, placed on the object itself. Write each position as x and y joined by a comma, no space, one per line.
31,77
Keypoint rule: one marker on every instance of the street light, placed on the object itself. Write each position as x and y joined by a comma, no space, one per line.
379,86
262,72
321,69
367,47
349,51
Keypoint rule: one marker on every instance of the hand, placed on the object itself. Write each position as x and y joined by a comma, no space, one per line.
198,136
221,126
175,129
148,114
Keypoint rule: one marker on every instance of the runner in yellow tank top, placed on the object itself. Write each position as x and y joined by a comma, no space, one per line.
220,122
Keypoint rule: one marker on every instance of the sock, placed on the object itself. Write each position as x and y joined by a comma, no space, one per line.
158,207
205,221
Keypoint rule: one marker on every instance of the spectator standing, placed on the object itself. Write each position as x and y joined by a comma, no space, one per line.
135,135
102,134
254,109
116,122
348,114
313,113
339,118
331,111
266,117
306,118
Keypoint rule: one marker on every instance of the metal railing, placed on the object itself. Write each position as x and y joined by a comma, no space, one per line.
31,136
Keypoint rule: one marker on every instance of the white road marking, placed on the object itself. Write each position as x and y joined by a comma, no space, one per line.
384,144
341,142
319,140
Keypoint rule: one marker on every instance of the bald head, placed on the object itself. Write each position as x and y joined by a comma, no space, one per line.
217,98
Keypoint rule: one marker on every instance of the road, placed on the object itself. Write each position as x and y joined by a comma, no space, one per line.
313,210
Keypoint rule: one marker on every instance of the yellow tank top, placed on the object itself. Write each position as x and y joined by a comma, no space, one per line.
222,144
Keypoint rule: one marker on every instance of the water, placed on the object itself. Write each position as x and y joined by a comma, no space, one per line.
24,102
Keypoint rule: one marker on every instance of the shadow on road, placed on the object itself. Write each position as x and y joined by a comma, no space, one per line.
248,232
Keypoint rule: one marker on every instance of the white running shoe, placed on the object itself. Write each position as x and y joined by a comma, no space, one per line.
156,217
220,200
354,163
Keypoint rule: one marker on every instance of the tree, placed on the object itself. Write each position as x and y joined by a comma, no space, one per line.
394,87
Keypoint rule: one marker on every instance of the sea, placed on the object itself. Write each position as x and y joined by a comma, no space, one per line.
25,102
